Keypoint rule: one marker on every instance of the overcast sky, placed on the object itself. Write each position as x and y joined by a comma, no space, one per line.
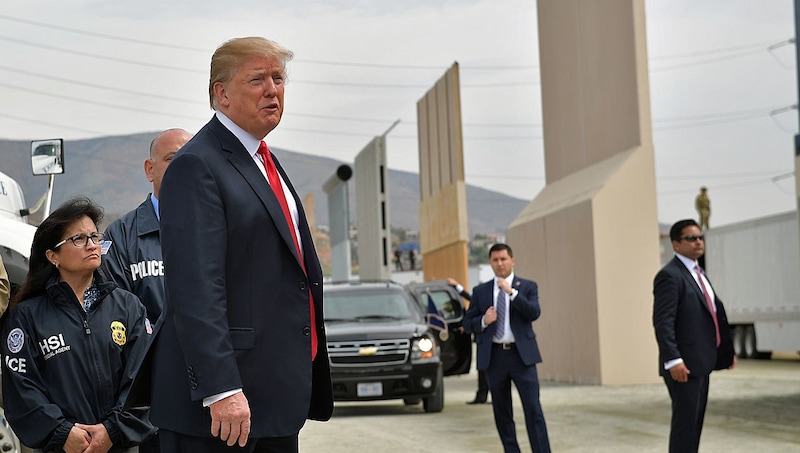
722,79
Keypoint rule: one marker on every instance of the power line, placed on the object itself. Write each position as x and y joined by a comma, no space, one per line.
100,104
719,176
741,54
98,86
733,185
62,126
51,26
96,56
700,53
732,51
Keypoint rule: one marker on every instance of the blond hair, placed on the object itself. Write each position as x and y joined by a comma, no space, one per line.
234,52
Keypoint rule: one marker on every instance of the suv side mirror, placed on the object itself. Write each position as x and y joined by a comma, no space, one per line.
47,157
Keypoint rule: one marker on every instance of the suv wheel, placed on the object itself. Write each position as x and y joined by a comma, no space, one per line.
435,403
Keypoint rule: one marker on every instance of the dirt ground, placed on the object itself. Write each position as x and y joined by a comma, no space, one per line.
754,408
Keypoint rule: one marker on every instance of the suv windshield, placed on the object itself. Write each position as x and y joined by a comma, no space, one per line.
368,306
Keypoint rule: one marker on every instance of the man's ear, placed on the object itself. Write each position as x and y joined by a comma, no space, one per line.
148,169
221,93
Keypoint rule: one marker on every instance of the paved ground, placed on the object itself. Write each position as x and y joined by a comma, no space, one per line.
755,408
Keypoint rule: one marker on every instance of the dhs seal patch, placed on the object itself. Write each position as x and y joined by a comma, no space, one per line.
118,333
15,341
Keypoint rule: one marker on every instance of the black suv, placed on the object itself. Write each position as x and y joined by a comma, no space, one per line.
381,347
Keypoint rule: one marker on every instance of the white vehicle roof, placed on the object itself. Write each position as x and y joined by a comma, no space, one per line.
11,198
17,236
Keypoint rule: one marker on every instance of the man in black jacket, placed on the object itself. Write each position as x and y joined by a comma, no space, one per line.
134,257
483,387
692,333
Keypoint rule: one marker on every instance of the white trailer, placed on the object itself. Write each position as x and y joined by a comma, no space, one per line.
755,269
16,235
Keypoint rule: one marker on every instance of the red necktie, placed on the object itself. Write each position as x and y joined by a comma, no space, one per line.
708,301
277,188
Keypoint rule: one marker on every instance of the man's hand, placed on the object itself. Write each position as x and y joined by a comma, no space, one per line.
452,282
679,373
77,440
489,316
504,286
230,419
100,442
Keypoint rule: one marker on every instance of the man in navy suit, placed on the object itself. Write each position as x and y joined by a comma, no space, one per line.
692,333
240,361
501,315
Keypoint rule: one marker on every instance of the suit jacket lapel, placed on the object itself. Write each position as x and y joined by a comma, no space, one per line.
244,164
691,282
490,298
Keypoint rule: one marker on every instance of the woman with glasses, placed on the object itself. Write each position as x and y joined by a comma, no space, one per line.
72,342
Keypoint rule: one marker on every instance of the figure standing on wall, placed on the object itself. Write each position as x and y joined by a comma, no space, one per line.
411,257
703,206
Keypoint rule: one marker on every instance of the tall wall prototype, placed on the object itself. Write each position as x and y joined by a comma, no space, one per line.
590,237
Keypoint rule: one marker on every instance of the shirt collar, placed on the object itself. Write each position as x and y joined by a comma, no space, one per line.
249,142
154,200
509,279
688,262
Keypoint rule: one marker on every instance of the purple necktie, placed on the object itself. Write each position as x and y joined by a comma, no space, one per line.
501,315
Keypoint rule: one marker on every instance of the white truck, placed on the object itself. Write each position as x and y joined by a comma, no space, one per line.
16,237
755,269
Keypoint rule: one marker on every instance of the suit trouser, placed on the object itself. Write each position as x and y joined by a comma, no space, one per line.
505,366
689,401
173,442
483,386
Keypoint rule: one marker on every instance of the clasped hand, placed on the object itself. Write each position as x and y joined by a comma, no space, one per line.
87,439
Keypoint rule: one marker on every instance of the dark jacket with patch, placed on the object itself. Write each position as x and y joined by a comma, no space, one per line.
134,257
63,365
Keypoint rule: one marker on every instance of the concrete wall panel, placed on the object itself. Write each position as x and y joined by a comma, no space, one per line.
443,206
592,231
372,208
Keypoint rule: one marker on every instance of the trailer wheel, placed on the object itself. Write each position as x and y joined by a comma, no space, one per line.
738,341
749,345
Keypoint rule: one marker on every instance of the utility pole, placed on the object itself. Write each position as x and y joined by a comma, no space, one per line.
797,136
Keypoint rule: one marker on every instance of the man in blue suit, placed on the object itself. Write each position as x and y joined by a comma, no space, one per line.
692,333
501,315
239,361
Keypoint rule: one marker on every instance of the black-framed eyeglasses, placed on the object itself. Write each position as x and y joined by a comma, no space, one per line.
82,240
693,238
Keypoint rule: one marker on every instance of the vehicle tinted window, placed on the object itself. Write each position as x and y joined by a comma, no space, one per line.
355,305
449,308
45,150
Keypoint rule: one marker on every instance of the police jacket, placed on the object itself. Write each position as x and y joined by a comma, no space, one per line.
63,365
134,257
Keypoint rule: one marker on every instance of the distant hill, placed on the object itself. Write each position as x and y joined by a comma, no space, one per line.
109,170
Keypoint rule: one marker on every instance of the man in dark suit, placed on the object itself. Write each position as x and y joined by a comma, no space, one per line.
134,257
501,315
240,358
692,333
